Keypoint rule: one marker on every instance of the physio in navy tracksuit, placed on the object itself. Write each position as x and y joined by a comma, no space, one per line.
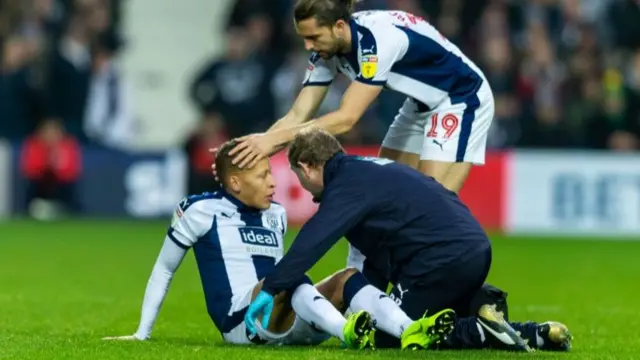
413,232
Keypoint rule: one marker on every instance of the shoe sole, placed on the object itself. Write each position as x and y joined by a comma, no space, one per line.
502,331
443,325
364,325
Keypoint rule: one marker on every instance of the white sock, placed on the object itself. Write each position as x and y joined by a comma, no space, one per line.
386,313
313,308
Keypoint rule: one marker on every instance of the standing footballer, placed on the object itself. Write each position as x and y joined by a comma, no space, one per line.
442,127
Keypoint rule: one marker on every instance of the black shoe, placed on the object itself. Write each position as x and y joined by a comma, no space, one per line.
555,336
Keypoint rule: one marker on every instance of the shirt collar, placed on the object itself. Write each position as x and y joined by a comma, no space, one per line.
352,56
242,207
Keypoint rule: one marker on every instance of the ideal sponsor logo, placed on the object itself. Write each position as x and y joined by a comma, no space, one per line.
258,236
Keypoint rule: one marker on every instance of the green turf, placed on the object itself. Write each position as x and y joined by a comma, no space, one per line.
65,285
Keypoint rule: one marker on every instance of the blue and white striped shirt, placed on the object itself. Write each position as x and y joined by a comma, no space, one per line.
405,54
235,246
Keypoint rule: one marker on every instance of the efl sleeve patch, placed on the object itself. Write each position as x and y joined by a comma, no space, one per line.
380,49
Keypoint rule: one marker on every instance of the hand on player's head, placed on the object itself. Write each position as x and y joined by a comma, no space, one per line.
254,186
250,149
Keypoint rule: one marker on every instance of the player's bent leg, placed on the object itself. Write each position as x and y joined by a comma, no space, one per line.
455,138
350,289
359,329
316,306
283,316
315,319
285,326
234,329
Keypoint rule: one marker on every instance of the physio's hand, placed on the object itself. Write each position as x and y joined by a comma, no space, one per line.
124,338
251,149
262,304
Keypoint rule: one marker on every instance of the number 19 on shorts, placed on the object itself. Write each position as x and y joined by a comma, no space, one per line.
442,127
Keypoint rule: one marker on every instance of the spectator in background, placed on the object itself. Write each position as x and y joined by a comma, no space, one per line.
253,14
236,87
17,118
622,106
498,64
208,135
51,164
109,120
71,65
624,19
541,80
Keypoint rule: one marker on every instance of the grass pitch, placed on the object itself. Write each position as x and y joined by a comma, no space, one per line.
65,285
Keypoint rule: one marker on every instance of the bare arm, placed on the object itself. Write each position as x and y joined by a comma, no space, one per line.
389,44
303,108
355,102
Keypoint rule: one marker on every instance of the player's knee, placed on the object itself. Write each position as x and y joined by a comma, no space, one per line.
340,278
333,289
346,273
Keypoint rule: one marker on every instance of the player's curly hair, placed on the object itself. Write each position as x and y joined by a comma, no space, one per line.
326,12
314,147
224,166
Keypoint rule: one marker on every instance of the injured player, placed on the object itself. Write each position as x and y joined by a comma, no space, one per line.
237,238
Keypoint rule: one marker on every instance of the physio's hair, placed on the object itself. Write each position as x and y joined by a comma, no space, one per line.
313,146
326,12
224,167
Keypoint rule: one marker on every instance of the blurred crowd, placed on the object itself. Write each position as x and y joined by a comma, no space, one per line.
60,88
565,73
56,65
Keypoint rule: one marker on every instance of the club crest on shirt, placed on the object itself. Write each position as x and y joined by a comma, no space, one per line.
273,222
369,66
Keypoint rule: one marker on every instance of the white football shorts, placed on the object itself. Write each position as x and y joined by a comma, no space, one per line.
448,133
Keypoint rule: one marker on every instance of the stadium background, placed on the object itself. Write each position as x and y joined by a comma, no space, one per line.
108,107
